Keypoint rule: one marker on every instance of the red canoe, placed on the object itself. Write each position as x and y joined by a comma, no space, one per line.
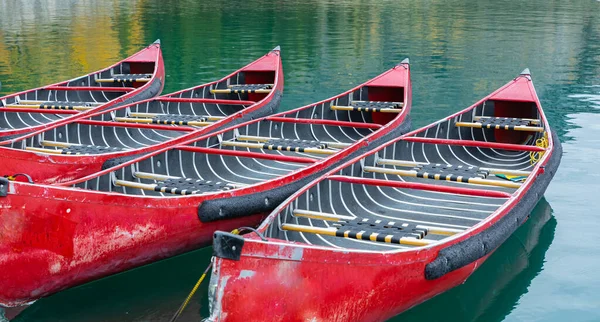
138,77
396,226
109,137
172,200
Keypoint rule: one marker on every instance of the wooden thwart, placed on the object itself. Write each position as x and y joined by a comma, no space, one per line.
164,189
371,106
360,109
478,125
277,147
121,78
89,88
153,115
532,121
332,231
166,122
403,163
337,218
336,145
57,144
23,104
49,151
449,177
244,89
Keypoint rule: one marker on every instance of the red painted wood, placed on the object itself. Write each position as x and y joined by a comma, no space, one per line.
138,125
421,186
246,154
90,88
205,100
519,91
479,144
324,122
36,110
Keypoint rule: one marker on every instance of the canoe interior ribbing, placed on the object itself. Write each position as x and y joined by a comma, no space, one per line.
401,205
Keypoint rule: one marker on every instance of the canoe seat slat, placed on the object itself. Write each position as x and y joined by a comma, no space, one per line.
244,89
429,169
89,149
276,145
177,119
394,234
54,105
188,186
166,119
378,230
371,106
438,174
123,78
503,123
296,143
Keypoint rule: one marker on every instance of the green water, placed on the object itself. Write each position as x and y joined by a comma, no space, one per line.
459,51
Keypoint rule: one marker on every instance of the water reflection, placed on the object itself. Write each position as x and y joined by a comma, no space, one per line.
492,292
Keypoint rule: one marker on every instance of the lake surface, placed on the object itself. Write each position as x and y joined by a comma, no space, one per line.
460,51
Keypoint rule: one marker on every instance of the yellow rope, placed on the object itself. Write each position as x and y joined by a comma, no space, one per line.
542,143
189,297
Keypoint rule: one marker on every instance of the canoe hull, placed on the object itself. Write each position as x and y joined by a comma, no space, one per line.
299,282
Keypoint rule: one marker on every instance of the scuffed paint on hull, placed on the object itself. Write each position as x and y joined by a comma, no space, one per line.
50,244
315,286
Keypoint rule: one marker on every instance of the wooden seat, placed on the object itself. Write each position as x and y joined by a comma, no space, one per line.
341,218
472,175
124,78
371,106
55,105
304,146
368,229
245,89
176,185
166,119
503,123
411,164
72,148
